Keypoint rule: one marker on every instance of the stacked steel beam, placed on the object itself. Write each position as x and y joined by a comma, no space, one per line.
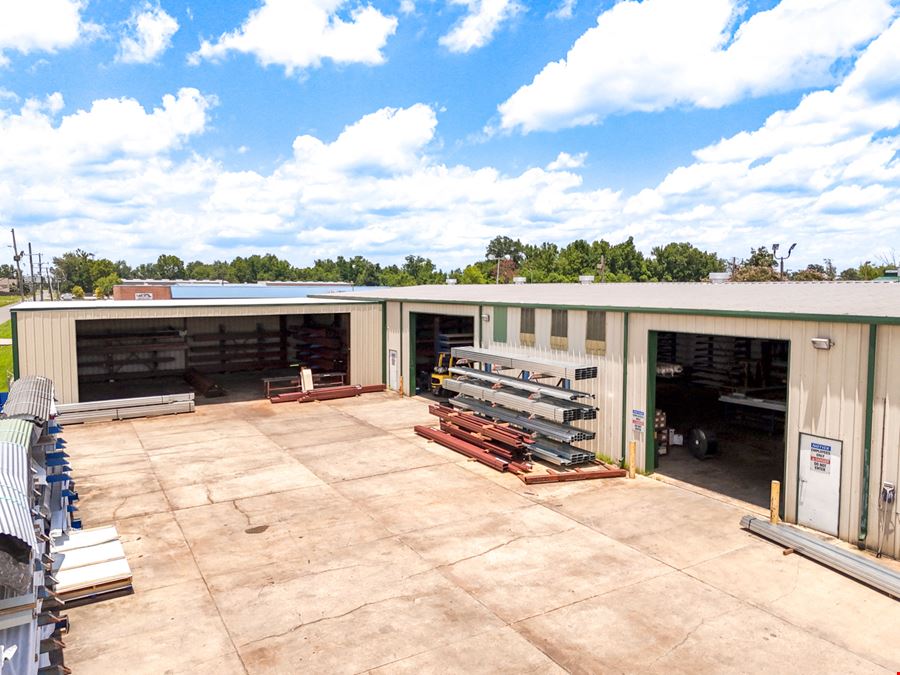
550,408
327,393
498,446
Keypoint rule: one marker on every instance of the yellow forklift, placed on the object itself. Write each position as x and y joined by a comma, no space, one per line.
442,365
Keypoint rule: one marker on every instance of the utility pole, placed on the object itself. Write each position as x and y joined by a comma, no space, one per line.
17,257
41,273
31,266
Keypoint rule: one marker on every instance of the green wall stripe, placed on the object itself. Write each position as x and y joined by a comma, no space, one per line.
867,442
650,419
500,324
15,344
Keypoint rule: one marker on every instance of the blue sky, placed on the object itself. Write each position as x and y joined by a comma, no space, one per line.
314,128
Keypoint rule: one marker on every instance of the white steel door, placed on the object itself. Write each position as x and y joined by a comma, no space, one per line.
393,370
819,500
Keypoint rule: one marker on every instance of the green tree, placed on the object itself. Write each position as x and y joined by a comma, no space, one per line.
74,268
850,274
103,287
811,273
169,267
681,261
626,259
422,270
77,292
502,247
472,275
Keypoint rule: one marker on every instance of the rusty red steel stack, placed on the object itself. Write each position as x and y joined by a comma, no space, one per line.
502,447
327,393
496,445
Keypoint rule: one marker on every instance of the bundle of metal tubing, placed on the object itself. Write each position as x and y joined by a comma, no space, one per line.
535,388
529,362
551,409
558,432
327,393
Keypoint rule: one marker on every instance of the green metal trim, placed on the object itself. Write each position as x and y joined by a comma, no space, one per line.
721,313
15,342
480,322
624,385
400,363
867,442
650,419
501,324
411,384
384,343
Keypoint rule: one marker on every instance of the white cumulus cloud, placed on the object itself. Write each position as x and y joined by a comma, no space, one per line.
299,34
41,25
565,161
148,33
120,180
482,20
655,54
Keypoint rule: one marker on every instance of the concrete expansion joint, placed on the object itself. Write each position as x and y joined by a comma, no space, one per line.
688,635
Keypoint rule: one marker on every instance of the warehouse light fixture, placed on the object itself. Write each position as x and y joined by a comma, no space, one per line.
822,343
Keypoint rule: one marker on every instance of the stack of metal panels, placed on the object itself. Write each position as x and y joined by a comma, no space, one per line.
549,408
558,432
126,408
527,362
535,388
562,454
36,503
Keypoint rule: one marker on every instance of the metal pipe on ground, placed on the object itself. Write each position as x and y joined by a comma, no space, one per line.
851,564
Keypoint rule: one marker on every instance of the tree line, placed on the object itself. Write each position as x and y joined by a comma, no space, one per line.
82,272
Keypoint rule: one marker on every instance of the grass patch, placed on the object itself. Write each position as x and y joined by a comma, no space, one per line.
6,329
6,366
9,299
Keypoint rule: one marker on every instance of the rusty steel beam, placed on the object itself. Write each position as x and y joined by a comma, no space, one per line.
327,393
462,447
577,474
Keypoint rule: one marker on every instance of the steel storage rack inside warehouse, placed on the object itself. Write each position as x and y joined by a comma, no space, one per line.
726,386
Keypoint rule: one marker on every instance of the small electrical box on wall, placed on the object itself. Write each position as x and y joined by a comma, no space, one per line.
888,493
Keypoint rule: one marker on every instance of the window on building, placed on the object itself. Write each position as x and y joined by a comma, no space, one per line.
595,339
559,329
526,326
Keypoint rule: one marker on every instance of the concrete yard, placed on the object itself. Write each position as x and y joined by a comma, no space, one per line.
328,537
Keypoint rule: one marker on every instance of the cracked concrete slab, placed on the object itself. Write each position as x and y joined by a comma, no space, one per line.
499,652
168,629
794,588
296,523
424,609
405,501
317,586
255,549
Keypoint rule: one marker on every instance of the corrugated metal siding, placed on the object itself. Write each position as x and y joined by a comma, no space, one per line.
826,389
21,432
885,464
47,339
366,348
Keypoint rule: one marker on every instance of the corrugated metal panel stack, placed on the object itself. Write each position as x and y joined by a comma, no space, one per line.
528,401
36,504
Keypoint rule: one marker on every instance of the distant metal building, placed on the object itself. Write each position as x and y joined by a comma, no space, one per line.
833,349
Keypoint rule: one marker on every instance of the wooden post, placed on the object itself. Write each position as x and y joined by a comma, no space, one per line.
631,451
774,502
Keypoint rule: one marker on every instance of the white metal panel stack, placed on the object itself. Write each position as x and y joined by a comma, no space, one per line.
35,484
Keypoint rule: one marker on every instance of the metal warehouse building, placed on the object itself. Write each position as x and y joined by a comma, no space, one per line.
94,350
795,382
